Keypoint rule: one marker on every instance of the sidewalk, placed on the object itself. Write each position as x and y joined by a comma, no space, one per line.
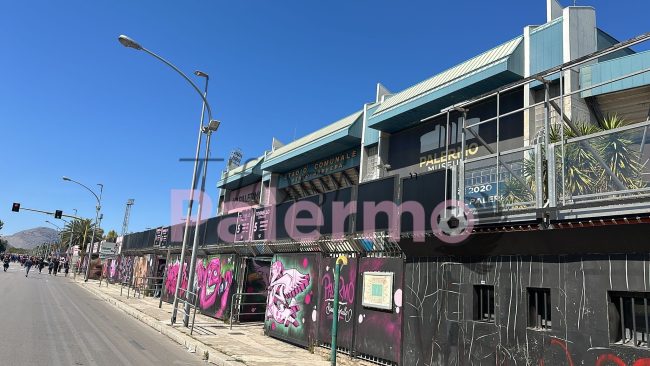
245,344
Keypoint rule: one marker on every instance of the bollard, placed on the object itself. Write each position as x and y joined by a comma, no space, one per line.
340,261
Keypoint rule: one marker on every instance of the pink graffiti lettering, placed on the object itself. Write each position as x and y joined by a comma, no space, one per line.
285,286
346,291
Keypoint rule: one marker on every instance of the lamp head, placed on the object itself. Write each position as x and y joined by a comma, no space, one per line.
128,42
66,178
201,74
212,126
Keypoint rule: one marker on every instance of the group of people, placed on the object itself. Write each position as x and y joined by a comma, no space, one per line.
54,264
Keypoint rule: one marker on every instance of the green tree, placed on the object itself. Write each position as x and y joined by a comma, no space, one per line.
111,237
3,243
77,229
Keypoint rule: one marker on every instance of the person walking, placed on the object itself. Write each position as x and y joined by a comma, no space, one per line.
66,267
41,264
56,265
28,265
50,266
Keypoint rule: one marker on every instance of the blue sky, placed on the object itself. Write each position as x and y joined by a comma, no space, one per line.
74,102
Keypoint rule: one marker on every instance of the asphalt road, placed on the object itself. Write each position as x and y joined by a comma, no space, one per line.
48,320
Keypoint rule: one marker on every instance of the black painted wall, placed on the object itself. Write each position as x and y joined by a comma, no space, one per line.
439,328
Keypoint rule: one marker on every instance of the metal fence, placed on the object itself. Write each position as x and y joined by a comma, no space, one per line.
569,154
238,302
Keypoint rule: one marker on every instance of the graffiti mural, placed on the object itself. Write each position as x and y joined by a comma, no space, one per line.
347,293
291,306
125,269
214,284
379,332
173,269
113,271
140,269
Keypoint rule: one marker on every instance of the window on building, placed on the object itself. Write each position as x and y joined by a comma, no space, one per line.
539,308
484,303
628,318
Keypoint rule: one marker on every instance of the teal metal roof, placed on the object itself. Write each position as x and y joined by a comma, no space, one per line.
340,135
613,69
245,174
487,71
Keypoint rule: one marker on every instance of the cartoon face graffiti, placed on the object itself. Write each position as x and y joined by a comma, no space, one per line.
212,284
286,285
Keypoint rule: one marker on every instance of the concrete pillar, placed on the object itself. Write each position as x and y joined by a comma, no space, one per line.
579,39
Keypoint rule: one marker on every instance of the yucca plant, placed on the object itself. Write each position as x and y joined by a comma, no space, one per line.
581,170
583,174
616,149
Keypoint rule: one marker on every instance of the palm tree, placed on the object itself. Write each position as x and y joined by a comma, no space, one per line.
78,228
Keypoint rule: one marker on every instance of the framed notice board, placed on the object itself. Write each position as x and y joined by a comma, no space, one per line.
378,290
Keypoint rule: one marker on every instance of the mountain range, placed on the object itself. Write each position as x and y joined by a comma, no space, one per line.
31,238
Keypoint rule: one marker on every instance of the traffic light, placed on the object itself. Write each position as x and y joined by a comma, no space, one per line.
58,214
15,207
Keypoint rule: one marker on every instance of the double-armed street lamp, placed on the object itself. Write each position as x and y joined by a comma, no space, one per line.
212,126
97,209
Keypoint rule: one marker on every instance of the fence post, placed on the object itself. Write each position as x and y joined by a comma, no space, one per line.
340,261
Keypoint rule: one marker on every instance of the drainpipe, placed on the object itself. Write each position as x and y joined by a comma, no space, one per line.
340,261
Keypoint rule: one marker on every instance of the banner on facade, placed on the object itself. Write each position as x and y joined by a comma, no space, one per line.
332,164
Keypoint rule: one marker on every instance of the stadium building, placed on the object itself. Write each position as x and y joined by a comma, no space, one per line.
495,213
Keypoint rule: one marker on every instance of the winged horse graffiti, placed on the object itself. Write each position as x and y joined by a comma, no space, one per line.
285,286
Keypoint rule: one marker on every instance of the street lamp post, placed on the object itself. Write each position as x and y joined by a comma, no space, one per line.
208,130
58,228
130,43
97,209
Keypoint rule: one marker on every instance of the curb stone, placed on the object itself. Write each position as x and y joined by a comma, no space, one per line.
192,344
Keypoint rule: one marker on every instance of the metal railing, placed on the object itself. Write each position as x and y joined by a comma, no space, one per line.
147,286
569,152
581,178
191,303
237,303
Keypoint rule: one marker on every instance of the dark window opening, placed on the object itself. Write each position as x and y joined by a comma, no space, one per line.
484,303
539,308
628,318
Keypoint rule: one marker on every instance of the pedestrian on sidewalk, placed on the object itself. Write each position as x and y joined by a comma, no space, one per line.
66,266
28,265
50,266
41,264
